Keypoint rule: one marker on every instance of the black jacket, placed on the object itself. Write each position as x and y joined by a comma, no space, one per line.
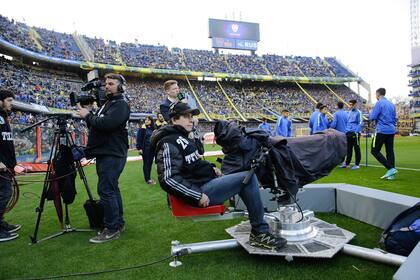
181,170
164,108
143,137
108,134
7,149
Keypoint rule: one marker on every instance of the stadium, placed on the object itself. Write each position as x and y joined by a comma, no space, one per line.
43,67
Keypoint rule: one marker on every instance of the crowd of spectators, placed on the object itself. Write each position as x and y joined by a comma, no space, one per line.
16,33
36,86
58,44
149,56
52,89
134,54
205,61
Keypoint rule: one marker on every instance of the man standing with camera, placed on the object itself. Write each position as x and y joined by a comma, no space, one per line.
7,164
108,142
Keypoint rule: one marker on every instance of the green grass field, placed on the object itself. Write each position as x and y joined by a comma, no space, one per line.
151,228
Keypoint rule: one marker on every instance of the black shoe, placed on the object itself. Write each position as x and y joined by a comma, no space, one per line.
8,227
6,236
266,240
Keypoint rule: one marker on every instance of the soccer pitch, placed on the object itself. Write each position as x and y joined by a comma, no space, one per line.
150,228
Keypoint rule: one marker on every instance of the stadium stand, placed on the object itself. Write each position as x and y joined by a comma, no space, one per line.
63,45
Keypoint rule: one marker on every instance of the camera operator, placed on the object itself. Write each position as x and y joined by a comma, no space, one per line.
7,164
108,142
184,174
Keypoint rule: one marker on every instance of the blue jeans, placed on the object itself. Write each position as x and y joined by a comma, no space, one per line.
109,169
222,188
5,192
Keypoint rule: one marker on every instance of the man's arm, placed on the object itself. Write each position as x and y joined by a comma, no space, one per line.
116,116
360,122
170,165
375,112
334,121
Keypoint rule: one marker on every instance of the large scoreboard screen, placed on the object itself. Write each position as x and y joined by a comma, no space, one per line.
234,34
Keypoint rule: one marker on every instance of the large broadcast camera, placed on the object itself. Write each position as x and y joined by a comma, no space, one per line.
95,91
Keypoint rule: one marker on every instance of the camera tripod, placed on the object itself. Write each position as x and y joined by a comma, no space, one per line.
61,136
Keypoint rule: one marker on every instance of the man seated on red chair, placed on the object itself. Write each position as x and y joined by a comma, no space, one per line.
184,174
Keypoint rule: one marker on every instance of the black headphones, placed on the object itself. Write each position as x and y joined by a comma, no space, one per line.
122,87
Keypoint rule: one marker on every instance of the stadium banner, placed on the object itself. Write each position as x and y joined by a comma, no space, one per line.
85,65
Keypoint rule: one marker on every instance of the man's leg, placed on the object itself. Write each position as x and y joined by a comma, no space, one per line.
5,193
109,170
357,149
7,232
221,189
377,143
121,222
389,148
350,143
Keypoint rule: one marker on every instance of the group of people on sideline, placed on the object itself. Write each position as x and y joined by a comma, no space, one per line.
351,122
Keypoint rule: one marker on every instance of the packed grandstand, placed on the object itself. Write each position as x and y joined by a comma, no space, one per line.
247,88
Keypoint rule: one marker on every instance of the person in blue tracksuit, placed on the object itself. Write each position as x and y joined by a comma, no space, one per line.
321,122
339,121
313,118
266,127
143,146
284,125
385,116
353,131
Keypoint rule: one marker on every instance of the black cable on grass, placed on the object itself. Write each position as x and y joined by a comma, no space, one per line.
100,272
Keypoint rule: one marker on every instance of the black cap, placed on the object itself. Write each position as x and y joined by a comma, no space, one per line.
181,108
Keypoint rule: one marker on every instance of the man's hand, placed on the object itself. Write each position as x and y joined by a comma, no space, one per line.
3,167
83,112
217,171
204,201
140,152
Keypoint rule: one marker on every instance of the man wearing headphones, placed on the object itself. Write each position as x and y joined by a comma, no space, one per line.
108,142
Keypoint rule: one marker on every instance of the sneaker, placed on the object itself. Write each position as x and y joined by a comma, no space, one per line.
9,228
151,182
6,236
343,165
266,240
389,173
390,177
355,167
105,236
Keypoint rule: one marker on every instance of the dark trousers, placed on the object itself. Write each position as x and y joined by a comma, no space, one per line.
147,163
378,141
109,169
353,142
5,192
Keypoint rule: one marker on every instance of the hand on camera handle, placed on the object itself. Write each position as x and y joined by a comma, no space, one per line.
83,112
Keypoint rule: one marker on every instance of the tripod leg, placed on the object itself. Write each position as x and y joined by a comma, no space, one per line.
47,184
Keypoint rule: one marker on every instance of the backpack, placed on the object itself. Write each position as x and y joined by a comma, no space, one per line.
403,234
